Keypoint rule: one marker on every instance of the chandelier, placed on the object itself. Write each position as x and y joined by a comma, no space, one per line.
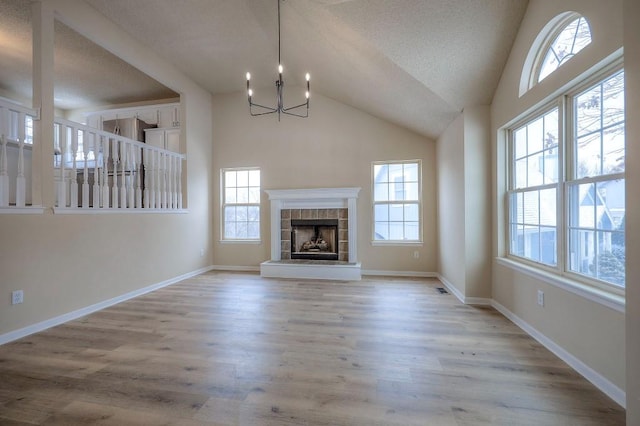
257,109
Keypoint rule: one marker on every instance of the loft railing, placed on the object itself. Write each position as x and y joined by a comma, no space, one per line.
95,169
16,139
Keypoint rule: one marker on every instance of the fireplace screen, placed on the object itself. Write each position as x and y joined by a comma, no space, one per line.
314,239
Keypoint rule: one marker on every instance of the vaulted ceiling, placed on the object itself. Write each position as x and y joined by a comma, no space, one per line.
416,63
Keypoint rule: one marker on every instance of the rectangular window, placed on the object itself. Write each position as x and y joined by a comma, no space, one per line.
566,185
596,192
241,204
396,201
533,197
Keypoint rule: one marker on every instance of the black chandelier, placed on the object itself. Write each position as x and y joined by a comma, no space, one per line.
280,108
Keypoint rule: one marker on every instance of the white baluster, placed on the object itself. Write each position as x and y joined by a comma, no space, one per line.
85,171
175,181
123,175
169,180
105,171
138,168
179,178
21,184
4,174
146,162
132,175
172,197
163,160
74,171
157,184
62,183
95,191
116,161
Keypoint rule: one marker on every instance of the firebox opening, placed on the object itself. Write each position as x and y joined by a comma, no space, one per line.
314,239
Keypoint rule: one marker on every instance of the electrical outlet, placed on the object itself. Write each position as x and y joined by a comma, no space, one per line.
201,252
17,297
416,254
540,297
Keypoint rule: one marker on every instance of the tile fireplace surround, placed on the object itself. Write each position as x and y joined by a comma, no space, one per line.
313,204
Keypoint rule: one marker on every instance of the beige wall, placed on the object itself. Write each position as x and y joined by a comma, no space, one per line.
477,225
334,147
464,207
632,77
589,331
451,211
67,262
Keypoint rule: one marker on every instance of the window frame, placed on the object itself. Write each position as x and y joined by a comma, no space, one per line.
547,45
567,178
224,204
534,59
540,112
418,202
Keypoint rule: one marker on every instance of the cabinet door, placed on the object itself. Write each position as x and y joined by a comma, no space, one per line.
154,137
172,140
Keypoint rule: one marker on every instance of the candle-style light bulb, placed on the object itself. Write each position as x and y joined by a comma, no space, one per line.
248,76
308,77
307,94
280,69
250,92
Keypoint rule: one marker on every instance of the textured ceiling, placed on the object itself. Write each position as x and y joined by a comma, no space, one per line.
416,63
85,74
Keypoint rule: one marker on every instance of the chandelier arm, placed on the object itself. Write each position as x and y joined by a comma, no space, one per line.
270,110
295,107
297,115
256,114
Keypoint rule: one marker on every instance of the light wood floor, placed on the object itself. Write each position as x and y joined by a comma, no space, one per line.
235,349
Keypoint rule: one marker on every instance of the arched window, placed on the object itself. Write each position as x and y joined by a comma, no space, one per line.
559,41
574,37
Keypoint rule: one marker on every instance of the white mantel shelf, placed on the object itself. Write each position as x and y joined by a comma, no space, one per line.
316,198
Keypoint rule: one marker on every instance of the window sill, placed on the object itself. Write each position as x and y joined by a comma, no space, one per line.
610,300
397,243
240,242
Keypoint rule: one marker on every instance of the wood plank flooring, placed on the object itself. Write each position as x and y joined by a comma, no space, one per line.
236,349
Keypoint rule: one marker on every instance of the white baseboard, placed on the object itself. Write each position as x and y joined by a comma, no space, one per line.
417,274
613,391
235,268
52,322
452,289
481,301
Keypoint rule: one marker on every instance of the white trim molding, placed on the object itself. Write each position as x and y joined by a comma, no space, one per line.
591,293
480,301
70,316
416,274
602,383
235,268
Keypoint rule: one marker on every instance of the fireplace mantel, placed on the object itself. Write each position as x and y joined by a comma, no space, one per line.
317,198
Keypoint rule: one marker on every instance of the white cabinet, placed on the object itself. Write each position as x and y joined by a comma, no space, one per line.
162,115
164,137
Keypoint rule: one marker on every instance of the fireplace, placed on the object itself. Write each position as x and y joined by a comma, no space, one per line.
314,239
330,252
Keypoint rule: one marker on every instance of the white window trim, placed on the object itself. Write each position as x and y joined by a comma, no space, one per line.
598,291
222,239
419,242
540,46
